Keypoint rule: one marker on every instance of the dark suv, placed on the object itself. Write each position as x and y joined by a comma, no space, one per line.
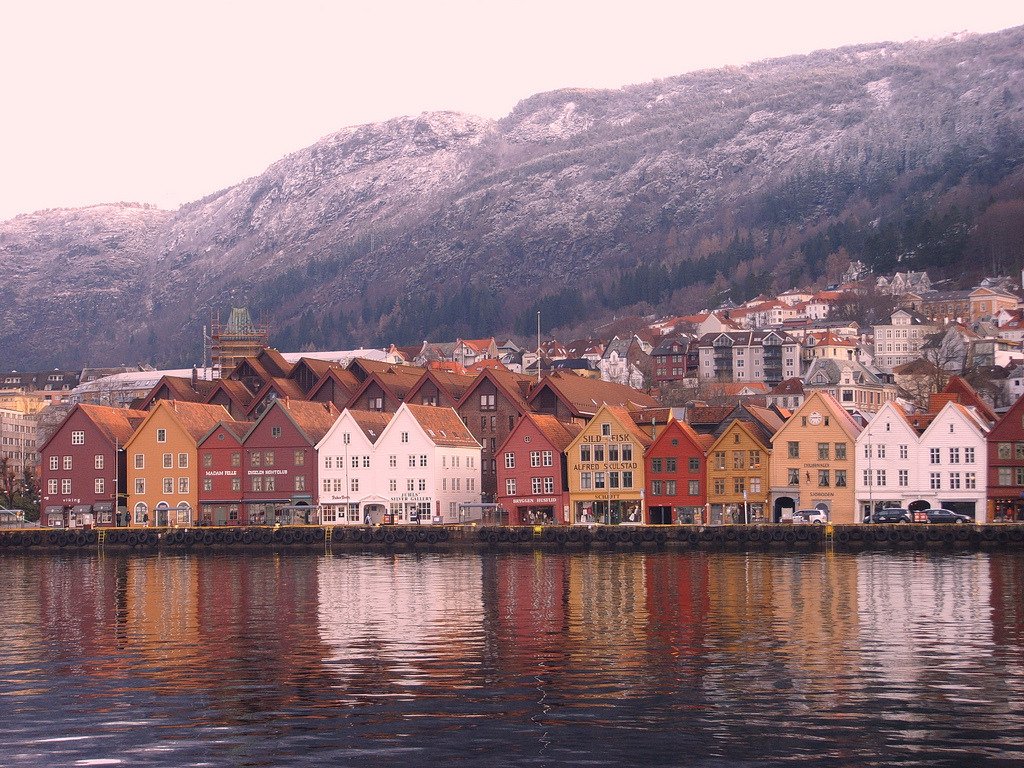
890,515
947,516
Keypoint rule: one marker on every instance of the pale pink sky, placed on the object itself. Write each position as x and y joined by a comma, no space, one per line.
164,102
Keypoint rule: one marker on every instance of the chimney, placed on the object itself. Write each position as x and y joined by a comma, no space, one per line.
195,379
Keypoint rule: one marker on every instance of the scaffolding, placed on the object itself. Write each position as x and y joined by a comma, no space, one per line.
235,340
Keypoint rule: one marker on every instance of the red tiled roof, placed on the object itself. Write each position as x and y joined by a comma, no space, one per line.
313,419
791,386
585,395
443,426
196,418
117,424
558,433
626,420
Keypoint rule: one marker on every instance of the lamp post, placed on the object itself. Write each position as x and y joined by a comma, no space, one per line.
746,512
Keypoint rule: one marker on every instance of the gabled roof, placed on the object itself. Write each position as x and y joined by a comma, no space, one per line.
343,377
312,419
959,391
700,442
514,386
237,429
791,386
316,367
116,424
480,346
584,396
285,388
833,368
625,420
179,388
455,385
752,428
919,367
195,419
362,367
442,425
817,398
1011,421
558,433
372,423
235,390
969,414
273,362
893,408
395,380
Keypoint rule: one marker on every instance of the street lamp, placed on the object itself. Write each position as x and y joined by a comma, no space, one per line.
746,511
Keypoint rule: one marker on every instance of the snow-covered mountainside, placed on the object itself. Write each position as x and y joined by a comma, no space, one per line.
583,202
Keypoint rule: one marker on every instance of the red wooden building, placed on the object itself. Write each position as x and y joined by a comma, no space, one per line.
674,468
280,461
221,474
1006,466
532,481
83,469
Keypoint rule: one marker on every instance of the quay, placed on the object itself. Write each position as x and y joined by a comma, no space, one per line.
780,537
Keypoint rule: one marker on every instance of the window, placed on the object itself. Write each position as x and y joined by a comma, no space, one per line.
55,461
823,478
794,449
423,459
903,478
737,459
586,481
613,479
366,462
755,485
613,452
346,437
182,485
392,485
823,451
168,485
599,480
487,402
606,429
65,486
268,458
695,463
140,485
933,456
968,455
970,480
51,487
161,435
954,455
67,462
535,485
99,485
656,488
694,487
510,486
954,481
585,453
549,485
738,484
1003,450
207,460
412,460
275,431
236,459
904,451
410,484
534,458
168,461
1005,476
547,459
256,458
719,485
867,450
392,461
867,477
354,484
793,476
598,453
840,450
627,452
670,465
840,478
78,437
935,481
405,437
719,459
257,482
880,450
300,482
182,461
299,458
510,461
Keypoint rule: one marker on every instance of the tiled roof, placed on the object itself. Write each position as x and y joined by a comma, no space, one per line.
966,395
709,414
478,345
117,424
234,389
585,395
372,423
274,362
343,377
626,420
558,433
196,418
443,426
791,386
314,419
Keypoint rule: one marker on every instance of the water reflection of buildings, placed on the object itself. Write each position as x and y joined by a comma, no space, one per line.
401,621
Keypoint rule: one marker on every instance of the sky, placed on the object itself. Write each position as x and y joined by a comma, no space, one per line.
164,102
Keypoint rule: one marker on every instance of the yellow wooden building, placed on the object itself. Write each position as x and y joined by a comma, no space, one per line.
737,466
606,469
162,462
813,461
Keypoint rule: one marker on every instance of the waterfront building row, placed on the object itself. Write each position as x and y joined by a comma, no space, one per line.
184,463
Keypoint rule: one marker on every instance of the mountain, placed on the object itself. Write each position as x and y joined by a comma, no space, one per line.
580,203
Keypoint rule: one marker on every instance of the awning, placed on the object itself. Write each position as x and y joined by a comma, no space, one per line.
103,506
54,510
81,509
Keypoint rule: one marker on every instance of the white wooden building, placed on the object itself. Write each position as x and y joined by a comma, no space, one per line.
941,466
348,468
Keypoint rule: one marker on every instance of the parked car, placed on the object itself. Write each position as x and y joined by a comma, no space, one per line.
947,516
890,515
812,516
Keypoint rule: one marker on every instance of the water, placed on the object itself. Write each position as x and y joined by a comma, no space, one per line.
525,659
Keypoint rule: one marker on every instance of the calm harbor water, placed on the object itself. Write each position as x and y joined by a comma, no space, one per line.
494,659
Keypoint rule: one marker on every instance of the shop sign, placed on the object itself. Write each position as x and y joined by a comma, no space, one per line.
536,500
